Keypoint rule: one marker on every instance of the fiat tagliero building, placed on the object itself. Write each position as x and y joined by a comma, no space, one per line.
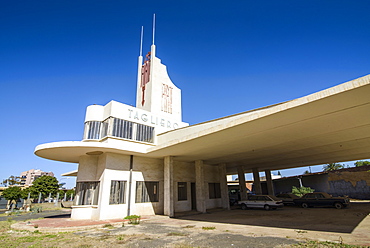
145,160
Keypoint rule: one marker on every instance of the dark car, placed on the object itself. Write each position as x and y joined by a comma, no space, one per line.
287,198
321,199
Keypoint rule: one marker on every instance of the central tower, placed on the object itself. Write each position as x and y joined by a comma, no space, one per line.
156,93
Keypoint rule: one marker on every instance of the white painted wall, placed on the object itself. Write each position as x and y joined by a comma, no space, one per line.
183,172
112,166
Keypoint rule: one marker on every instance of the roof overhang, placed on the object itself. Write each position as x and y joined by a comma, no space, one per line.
332,125
70,174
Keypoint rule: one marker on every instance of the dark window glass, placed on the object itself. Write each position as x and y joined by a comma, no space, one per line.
92,130
87,193
182,191
309,196
117,192
144,133
214,190
122,128
147,191
104,128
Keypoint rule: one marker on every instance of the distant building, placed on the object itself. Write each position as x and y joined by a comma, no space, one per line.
27,177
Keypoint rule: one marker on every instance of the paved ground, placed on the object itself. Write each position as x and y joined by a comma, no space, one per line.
257,228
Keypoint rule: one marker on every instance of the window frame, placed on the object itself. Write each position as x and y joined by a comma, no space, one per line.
214,190
87,193
182,191
147,191
117,192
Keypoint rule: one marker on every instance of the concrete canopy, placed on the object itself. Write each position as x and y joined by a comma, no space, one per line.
332,125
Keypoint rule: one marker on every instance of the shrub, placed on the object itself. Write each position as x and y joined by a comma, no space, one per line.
133,219
301,190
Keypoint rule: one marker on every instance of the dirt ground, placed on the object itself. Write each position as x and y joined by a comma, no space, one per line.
235,228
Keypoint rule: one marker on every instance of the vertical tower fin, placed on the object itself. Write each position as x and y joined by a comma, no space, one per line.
139,65
141,41
153,27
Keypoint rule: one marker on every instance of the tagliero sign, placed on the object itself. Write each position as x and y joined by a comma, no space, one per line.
148,118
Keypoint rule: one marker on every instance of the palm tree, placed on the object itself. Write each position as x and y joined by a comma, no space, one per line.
332,167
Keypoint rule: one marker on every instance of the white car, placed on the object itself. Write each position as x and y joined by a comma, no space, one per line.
266,202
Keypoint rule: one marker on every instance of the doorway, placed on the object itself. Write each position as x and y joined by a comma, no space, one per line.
193,197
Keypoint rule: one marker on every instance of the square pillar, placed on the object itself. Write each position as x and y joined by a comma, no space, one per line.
270,187
200,186
242,184
168,187
257,182
223,186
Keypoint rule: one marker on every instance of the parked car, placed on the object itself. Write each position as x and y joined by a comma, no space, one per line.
287,198
266,202
321,199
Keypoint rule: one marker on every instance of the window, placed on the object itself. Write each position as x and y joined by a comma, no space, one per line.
309,196
118,128
214,190
92,130
117,192
87,193
144,133
104,128
263,198
122,128
182,191
252,198
318,196
147,191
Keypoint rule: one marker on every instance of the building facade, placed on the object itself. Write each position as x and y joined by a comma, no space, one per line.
116,179
28,177
145,160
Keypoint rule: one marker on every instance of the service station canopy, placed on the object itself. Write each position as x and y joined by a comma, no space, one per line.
332,125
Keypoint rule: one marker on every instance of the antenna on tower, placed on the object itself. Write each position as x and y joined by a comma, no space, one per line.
153,27
141,40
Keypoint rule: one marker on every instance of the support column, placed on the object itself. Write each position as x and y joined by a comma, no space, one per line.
200,186
257,182
242,184
168,187
223,186
270,187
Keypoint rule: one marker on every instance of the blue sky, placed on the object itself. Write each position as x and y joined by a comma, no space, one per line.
58,57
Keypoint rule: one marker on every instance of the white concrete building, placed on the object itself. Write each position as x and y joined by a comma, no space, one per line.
144,160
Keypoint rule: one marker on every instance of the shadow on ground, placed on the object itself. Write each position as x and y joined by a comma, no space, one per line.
314,219
43,214
67,215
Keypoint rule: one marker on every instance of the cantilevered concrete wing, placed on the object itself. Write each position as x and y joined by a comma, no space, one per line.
332,125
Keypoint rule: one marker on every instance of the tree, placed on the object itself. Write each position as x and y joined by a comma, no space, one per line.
24,194
12,193
12,180
45,185
300,191
70,193
332,167
306,172
362,163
